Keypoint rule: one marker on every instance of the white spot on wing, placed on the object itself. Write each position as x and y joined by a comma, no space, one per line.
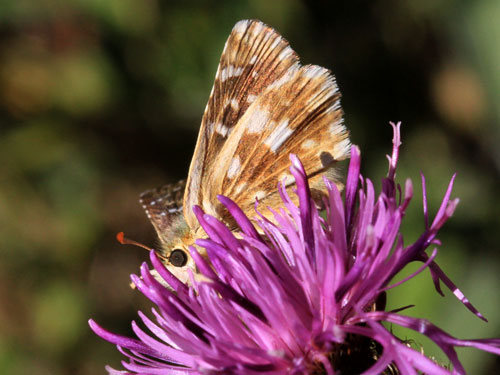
241,26
257,28
257,120
341,149
285,78
240,187
330,86
286,178
279,135
308,144
221,129
287,52
314,71
234,167
253,60
251,98
275,43
260,194
336,128
233,103
229,72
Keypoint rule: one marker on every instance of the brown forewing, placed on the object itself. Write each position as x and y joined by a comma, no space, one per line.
254,57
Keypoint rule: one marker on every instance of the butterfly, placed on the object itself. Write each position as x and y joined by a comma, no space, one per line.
264,105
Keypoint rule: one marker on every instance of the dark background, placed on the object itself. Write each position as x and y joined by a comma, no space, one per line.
101,99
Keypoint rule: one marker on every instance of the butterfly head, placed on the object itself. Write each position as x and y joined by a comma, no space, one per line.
176,257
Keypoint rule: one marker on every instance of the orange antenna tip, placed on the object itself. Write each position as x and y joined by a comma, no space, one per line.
127,241
121,237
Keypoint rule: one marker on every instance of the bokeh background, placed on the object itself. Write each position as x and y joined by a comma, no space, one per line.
102,99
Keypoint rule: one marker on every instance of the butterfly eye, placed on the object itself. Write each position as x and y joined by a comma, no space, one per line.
178,258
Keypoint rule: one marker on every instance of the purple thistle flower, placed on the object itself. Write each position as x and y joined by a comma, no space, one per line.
302,295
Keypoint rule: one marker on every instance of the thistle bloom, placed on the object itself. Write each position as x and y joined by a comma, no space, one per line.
303,294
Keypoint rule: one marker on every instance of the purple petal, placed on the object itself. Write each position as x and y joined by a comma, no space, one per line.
239,216
351,186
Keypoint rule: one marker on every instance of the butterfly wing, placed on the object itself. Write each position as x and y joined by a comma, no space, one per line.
266,111
299,114
163,207
254,57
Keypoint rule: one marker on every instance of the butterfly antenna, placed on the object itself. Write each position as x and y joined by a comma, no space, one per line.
127,241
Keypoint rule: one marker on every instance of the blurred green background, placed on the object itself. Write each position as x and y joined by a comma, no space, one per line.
102,99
